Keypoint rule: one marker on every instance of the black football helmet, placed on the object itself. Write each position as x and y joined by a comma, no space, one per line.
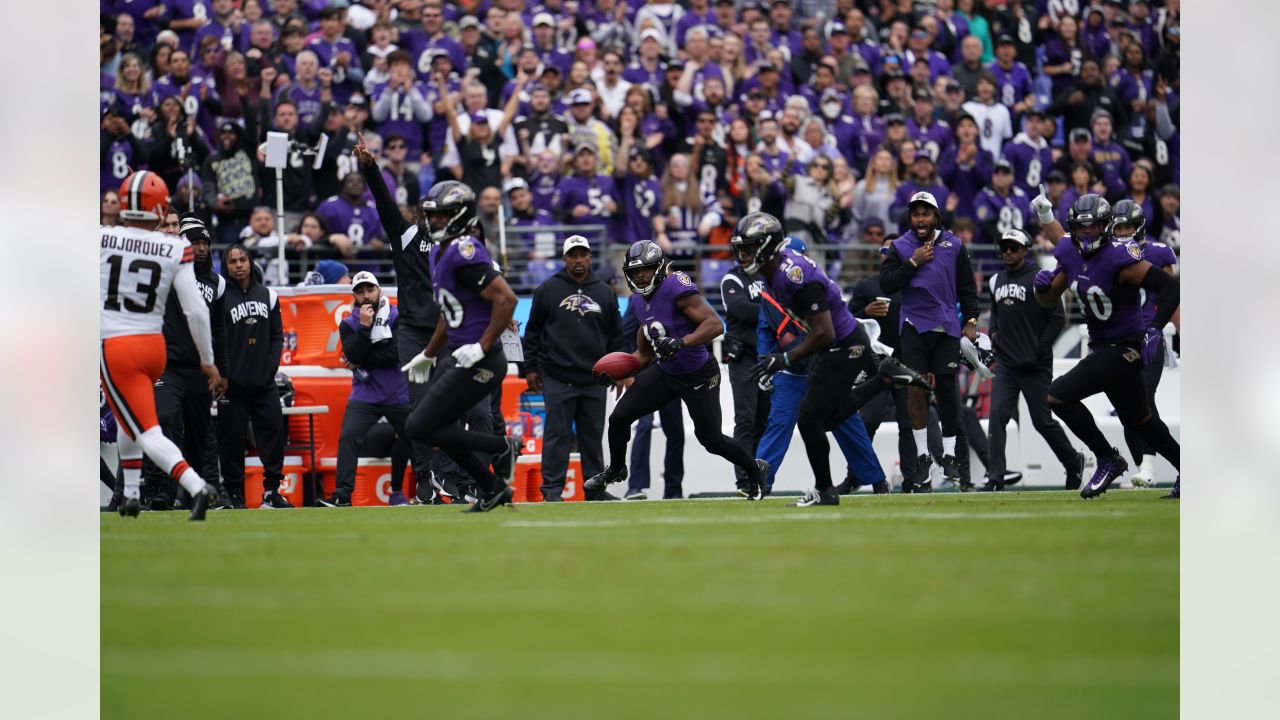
763,232
449,210
1128,212
1093,212
645,254
284,386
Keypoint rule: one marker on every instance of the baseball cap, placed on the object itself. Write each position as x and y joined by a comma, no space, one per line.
1100,113
860,66
550,68
362,277
639,152
514,183
837,28
575,241
954,86
1004,165
922,93
332,271
922,155
581,96
923,197
1171,189
764,65
585,147
893,118
229,127
872,222
1056,176
479,116
1004,39
1014,236
537,88
651,33
469,21
1080,135
543,18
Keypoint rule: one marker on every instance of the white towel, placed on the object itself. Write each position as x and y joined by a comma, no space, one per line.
381,330
873,334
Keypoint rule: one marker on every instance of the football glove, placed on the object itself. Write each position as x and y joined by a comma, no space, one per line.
419,368
1043,280
1042,207
468,355
666,347
1151,342
770,364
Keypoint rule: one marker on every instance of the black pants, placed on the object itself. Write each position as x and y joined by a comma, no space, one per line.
1116,370
1034,386
750,407
700,392
358,419
182,407
571,410
452,392
891,406
672,418
1150,380
410,341
832,396
235,412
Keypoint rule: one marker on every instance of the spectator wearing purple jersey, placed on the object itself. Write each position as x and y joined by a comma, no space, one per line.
224,27
311,89
822,84
647,67
132,89
120,152
786,34
1140,192
1063,56
437,135
1013,80
431,36
758,42
1094,36
930,134
1141,24
544,41
1109,158
528,62
775,158
195,92
923,178
642,200
918,46
697,69
1134,84
352,218
522,239
586,197
144,15
1029,153
184,17
965,168
1001,207
400,105
544,180
870,126
338,54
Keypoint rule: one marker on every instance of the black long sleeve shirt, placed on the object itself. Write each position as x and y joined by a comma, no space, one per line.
1022,332
571,326
254,338
417,304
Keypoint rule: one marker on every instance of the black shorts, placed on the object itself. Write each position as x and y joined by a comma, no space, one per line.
929,352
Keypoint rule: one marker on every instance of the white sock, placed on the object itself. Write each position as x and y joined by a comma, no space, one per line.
949,445
922,440
166,455
191,482
131,464
1149,464
133,482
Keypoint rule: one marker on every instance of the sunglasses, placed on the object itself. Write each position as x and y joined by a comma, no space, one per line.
1007,248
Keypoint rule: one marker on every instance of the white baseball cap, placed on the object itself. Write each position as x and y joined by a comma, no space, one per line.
575,241
926,198
543,18
651,33
362,277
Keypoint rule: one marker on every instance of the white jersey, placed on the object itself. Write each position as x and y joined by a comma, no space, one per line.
136,273
994,125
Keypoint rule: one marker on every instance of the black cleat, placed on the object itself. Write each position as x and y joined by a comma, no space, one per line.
993,486
818,497
880,488
901,375
130,507
504,465
951,469
1176,492
1075,474
920,483
160,503
274,501
485,504
755,486
599,495
1109,468
966,487
113,505
334,502
605,478
201,501
1011,478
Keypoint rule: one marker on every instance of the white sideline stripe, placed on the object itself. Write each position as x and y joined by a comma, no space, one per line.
820,516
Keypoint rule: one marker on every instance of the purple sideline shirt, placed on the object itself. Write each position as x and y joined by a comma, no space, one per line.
929,300
384,386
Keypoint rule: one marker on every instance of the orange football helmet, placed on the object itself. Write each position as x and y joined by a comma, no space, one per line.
144,196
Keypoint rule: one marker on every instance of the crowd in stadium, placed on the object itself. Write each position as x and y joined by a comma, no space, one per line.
659,122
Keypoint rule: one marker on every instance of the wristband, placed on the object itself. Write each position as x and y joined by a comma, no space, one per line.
1046,216
913,263
786,358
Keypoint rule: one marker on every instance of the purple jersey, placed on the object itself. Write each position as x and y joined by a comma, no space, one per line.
637,74
1056,52
935,136
379,386
659,317
145,30
641,200
1008,212
1129,87
191,104
870,130
308,101
1112,163
417,43
1112,309
358,222
1161,256
229,36
327,52
438,125
1012,85
929,300
577,190
129,103
118,161
543,186
794,272
691,19
461,306
938,63
401,121
964,180
1031,161
185,10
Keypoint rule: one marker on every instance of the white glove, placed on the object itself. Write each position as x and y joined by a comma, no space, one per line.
468,355
419,368
1042,206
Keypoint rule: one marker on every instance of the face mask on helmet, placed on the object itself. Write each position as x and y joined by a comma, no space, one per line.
1089,222
758,240
644,268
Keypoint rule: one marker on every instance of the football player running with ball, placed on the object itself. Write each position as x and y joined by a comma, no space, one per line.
676,326
840,348
1107,275
476,305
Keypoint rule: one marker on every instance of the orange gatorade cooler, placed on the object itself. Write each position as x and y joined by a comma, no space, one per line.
373,482
528,481
290,485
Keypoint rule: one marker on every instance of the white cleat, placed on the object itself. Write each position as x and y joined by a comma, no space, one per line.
1146,475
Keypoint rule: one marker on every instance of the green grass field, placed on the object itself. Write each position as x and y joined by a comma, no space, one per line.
1019,605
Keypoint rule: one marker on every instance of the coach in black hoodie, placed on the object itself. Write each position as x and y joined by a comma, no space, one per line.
574,322
254,338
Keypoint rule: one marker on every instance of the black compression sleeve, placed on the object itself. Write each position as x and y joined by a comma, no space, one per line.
1166,288
810,300
476,276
